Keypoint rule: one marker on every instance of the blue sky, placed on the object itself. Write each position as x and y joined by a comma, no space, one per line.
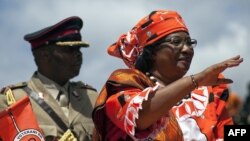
222,29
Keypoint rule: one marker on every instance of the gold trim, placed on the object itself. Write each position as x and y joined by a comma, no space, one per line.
72,43
68,136
10,98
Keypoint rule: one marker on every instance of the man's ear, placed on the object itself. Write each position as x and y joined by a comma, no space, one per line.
42,55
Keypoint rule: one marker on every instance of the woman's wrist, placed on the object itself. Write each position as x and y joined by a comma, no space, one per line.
195,83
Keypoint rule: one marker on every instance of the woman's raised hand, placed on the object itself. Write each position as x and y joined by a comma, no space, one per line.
209,76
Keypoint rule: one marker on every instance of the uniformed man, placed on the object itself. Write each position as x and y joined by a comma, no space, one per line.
61,107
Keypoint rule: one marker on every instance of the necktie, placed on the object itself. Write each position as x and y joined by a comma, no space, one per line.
63,102
62,99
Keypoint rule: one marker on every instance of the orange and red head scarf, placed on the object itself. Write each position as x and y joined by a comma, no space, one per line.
148,30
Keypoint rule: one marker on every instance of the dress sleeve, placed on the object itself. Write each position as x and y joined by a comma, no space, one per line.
206,107
221,93
123,109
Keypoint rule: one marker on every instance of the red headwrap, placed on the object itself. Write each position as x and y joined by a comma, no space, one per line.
148,30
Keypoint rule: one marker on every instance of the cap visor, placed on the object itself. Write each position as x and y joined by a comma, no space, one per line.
73,44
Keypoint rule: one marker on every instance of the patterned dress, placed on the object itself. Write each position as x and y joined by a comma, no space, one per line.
121,98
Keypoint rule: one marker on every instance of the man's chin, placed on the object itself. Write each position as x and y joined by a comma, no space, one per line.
74,74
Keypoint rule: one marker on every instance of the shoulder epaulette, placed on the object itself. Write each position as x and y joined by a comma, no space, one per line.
83,85
15,86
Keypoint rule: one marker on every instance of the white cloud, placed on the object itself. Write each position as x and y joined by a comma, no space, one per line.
233,42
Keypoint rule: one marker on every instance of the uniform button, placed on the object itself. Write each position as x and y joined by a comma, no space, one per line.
75,94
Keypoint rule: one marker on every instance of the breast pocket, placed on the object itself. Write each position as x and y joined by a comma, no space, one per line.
49,130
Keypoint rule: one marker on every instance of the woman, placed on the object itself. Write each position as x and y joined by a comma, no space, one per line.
152,100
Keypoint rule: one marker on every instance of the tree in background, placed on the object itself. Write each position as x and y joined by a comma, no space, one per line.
234,105
243,118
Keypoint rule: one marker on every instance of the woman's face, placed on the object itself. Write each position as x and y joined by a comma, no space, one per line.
173,58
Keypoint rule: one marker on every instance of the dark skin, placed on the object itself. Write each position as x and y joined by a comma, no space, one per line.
170,64
59,63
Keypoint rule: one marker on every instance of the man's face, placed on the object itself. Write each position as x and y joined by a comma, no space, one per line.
66,61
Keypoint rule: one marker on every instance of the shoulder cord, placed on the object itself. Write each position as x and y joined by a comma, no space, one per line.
46,108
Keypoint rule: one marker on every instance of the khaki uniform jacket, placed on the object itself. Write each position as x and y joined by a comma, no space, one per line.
82,100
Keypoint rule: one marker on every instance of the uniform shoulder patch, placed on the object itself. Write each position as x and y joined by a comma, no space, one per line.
15,86
80,84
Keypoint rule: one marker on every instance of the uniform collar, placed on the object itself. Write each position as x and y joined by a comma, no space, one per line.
52,86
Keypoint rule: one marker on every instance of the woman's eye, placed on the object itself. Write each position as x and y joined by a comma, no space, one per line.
176,41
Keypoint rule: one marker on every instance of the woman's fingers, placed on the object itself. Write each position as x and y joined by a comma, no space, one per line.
232,62
210,75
